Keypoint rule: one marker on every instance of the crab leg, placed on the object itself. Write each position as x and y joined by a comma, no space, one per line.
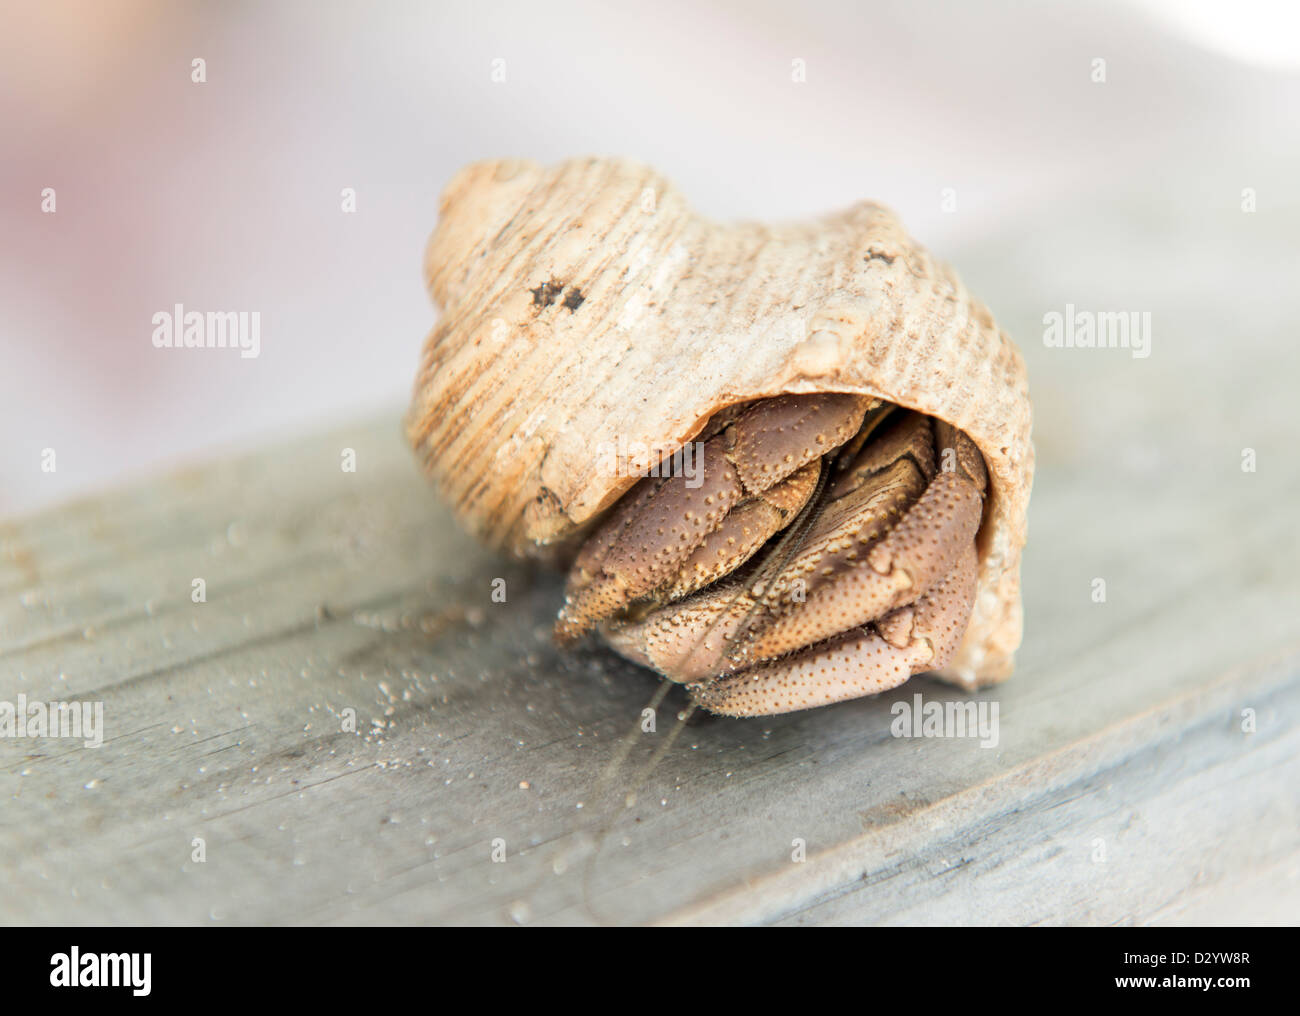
743,533
919,637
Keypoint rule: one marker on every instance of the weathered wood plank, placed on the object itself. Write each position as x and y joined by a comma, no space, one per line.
329,590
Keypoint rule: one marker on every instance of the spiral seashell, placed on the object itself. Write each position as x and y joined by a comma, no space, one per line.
586,309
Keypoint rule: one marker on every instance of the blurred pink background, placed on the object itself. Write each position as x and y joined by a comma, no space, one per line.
226,195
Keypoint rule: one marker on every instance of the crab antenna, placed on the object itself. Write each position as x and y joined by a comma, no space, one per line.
629,798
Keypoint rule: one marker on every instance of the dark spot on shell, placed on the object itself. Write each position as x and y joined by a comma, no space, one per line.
574,299
547,293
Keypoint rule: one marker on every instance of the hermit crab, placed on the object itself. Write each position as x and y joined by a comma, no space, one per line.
785,466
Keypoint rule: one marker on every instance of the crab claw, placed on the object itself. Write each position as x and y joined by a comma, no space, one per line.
689,641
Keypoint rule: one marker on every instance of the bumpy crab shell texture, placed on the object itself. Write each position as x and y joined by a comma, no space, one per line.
586,308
